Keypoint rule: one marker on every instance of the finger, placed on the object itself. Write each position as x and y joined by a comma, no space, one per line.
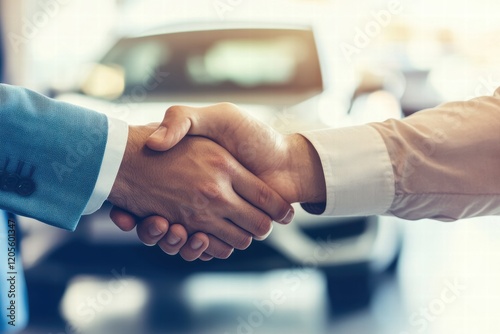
123,219
211,122
175,125
174,240
249,218
217,249
264,237
258,193
205,257
195,246
223,123
224,229
150,230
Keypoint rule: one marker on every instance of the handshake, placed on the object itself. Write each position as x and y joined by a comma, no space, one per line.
208,180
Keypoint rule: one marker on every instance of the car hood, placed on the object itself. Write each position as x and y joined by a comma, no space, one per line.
284,119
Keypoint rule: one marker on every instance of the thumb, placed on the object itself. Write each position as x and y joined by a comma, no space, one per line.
173,128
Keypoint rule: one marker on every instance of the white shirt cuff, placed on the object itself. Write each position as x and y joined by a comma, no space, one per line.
113,155
358,170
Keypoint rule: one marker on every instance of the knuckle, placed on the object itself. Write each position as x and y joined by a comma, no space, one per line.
197,221
227,105
264,195
221,163
186,213
211,190
199,205
174,109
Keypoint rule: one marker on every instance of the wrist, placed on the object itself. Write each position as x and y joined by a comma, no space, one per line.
121,193
305,164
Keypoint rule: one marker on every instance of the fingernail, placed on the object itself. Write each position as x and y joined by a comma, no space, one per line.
172,239
196,244
289,217
154,231
267,234
160,133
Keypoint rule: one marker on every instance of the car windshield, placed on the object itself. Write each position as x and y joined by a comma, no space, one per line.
241,64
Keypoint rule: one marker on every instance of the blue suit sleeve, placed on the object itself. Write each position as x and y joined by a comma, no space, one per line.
50,156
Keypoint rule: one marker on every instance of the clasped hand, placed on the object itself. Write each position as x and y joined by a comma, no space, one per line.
203,197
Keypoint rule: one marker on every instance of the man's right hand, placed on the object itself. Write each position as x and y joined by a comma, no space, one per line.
289,164
201,186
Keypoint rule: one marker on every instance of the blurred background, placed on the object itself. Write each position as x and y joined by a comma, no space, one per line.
297,65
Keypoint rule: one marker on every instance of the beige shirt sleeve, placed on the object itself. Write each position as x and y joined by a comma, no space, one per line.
441,163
